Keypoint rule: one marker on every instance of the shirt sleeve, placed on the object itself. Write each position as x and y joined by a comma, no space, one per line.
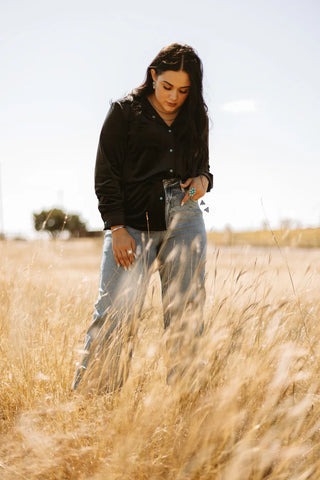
204,167
109,166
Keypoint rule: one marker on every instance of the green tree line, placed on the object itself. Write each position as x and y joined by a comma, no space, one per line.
56,221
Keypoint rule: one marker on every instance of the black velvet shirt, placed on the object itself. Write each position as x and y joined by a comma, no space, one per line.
136,151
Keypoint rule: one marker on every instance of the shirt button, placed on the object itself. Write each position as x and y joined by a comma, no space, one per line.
161,198
171,150
171,170
153,116
169,131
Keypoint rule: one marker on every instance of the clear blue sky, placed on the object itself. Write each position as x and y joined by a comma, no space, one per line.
62,62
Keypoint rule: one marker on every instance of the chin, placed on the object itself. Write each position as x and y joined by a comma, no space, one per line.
172,109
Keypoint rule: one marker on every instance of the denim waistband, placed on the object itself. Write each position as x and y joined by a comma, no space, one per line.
172,182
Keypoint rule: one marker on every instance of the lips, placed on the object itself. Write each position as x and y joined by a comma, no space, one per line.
172,104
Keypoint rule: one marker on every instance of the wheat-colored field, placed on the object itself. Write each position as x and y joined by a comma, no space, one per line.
285,237
247,405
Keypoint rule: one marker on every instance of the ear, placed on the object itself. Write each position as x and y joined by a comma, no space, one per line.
153,74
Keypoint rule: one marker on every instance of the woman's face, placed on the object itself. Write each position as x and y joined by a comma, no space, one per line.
171,90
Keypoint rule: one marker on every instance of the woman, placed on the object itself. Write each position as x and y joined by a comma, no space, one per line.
152,166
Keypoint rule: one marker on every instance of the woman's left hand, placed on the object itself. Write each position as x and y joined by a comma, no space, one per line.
199,184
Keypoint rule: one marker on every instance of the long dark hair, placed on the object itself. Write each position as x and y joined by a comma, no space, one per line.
183,57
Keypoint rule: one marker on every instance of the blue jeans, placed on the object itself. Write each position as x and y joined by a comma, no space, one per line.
179,253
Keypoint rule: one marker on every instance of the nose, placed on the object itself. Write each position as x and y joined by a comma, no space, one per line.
173,94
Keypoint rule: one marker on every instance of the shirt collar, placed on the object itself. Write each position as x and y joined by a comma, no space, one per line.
152,112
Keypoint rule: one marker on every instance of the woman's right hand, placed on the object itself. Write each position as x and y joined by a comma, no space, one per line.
124,247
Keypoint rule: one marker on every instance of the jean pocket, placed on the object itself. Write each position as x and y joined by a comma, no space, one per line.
192,204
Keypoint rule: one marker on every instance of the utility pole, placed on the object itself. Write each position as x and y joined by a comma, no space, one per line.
1,208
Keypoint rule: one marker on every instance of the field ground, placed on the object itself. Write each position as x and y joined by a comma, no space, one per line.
300,237
246,407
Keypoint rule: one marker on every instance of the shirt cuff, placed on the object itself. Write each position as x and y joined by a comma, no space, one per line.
114,218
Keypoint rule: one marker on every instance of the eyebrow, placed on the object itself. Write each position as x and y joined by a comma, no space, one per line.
165,81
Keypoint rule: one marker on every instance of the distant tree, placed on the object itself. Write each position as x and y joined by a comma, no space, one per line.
75,226
52,221
56,221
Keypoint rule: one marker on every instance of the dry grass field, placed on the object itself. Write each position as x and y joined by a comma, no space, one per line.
299,237
247,406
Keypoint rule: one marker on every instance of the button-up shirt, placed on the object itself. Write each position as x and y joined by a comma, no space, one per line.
136,151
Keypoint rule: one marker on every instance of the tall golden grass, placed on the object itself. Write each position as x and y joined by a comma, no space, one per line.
246,407
285,237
